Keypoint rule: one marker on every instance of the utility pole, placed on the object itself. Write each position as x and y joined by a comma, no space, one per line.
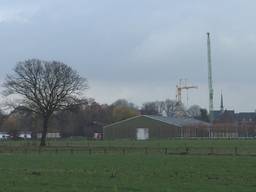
221,103
210,84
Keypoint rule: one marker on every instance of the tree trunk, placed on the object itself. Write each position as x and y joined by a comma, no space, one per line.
44,132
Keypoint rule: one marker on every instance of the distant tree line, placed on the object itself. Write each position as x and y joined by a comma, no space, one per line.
89,116
172,108
82,119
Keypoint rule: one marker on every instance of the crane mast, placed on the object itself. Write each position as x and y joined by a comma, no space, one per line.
179,89
210,84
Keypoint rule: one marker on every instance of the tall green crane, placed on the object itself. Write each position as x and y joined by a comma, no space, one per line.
210,86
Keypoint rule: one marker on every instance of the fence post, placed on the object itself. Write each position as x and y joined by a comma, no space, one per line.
236,151
211,151
146,150
166,151
187,150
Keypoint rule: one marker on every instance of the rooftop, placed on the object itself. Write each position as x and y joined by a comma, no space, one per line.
177,121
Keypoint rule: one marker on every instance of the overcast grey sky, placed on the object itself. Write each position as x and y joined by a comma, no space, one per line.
139,49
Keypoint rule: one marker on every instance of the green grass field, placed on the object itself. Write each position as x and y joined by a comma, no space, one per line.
80,171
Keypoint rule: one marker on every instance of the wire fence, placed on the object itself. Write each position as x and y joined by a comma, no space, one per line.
225,151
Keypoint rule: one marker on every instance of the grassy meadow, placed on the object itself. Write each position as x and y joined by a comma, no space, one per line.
62,171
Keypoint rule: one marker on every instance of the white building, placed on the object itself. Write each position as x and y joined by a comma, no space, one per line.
55,135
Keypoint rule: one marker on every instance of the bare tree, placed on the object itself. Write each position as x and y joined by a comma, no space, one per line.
194,111
169,107
150,108
46,87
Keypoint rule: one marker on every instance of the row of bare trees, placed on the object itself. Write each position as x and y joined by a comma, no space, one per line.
83,119
172,108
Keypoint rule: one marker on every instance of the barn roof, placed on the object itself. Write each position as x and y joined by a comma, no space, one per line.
176,121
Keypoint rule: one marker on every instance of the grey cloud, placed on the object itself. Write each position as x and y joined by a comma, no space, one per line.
137,44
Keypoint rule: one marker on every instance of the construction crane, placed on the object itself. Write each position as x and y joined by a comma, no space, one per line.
182,86
210,78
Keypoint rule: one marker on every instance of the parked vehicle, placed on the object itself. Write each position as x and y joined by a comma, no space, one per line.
25,135
4,136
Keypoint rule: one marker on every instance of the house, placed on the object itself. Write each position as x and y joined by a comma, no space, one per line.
225,125
229,124
247,124
156,127
246,117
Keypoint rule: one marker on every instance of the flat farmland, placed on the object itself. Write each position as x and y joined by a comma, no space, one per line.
65,170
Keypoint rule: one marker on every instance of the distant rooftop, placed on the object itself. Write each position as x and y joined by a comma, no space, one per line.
231,116
246,116
177,121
